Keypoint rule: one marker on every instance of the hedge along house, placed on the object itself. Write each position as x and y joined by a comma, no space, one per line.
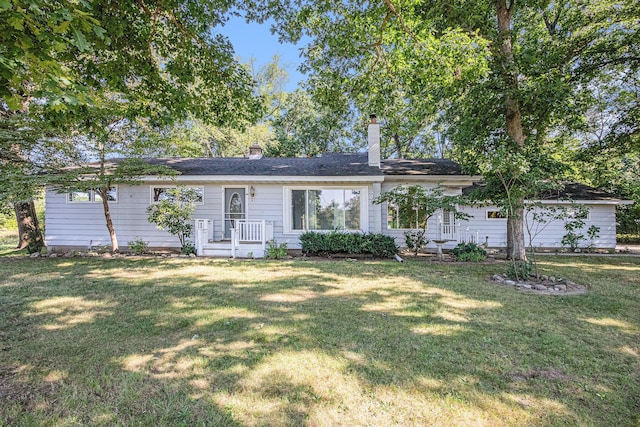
246,202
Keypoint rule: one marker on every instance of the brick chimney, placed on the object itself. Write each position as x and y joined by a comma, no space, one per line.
374,141
255,151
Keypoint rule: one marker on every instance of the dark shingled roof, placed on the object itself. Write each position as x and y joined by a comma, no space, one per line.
577,191
325,165
329,164
420,167
569,191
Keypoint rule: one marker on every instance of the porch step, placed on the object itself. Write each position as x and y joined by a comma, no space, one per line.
223,249
216,252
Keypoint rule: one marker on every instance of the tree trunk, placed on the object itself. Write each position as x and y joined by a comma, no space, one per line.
104,193
29,233
398,144
516,248
513,121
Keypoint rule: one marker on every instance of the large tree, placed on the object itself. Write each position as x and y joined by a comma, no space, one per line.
163,60
513,123
379,58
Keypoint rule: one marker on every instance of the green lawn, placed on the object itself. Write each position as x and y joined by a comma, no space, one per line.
141,341
8,241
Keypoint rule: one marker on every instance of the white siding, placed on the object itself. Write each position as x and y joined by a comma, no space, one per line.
544,235
83,224
432,224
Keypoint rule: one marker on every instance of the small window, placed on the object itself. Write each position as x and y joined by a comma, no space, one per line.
92,196
163,193
496,214
405,218
579,213
80,196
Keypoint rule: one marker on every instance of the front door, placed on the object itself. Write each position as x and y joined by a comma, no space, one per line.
234,208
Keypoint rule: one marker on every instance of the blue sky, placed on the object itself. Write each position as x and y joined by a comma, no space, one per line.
255,40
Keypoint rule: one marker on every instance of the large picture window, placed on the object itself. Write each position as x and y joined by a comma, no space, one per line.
325,209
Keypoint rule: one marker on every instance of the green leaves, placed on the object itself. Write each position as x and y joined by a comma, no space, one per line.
174,214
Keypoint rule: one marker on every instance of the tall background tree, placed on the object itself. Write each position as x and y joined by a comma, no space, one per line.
163,61
510,81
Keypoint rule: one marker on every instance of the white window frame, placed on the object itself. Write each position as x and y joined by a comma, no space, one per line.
92,197
571,215
397,209
486,215
153,187
287,215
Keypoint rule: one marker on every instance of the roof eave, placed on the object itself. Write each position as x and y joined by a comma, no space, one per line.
267,178
583,202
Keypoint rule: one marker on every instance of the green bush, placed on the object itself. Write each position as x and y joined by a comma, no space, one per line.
188,248
415,240
469,252
518,270
629,239
335,242
275,250
138,246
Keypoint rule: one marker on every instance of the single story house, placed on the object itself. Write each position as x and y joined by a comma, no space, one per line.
246,202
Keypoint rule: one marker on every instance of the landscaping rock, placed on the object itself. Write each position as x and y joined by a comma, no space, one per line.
107,255
35,255
551,286
53,255
68,255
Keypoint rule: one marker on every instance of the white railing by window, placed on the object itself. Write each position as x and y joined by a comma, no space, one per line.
246,231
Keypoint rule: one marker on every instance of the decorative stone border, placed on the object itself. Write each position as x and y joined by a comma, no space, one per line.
547,285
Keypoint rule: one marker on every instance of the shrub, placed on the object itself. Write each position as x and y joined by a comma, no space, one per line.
138,246
629,239
275,250
188,248
519,270
469,252
174,215
415,240
335,242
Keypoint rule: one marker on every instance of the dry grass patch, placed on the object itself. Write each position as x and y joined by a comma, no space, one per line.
218,342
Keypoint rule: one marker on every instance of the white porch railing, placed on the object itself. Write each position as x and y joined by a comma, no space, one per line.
201,235
449,231
246,231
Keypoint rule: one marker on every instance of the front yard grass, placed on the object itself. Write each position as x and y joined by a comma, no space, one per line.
8,240
143,341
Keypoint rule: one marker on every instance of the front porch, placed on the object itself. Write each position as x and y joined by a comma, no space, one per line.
248,239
